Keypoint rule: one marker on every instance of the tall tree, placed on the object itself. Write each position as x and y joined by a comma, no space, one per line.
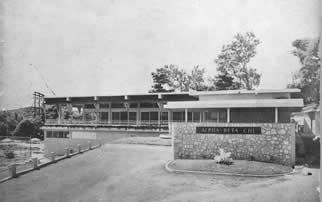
225,82
171,78
197,79
234,58
308,77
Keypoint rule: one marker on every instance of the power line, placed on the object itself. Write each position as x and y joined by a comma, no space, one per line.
43,79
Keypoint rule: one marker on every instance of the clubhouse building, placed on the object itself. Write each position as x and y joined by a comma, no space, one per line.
251,124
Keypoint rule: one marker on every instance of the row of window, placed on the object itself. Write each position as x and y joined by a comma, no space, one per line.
57,134
132,116
120,105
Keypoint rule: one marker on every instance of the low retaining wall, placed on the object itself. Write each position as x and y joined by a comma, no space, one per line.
81,135
274,143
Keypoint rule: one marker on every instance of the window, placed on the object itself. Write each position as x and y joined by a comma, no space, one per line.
89,106
189,116
117,105
145,116
148,105
217,115
252,115
154,116
104,106
116,116
164,116
133,105
104,116
179,116
123,116
196,116
132,116
57,134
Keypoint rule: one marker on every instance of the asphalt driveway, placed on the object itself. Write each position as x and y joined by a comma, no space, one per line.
124,172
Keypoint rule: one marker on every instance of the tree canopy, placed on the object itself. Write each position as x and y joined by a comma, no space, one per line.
307,78
171,78
234,58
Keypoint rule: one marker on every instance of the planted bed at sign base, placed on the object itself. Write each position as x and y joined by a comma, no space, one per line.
239,167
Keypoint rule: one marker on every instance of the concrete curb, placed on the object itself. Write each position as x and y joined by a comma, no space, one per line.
48,163
172,170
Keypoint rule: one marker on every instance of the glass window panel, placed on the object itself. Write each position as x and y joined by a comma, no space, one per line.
117,105
164,116
104,106
154,116
132,116
104,116
89,106
133,105
196,116
189,116
145,116
115,116
123,116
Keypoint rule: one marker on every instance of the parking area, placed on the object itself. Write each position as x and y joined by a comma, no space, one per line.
129,172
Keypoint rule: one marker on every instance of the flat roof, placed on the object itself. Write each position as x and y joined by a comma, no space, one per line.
192,93
249,103
243,91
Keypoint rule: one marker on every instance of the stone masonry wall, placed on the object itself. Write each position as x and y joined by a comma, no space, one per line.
276,143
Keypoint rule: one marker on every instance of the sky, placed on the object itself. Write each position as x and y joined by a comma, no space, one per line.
97,47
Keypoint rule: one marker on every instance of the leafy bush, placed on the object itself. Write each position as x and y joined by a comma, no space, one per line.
9,154
223,157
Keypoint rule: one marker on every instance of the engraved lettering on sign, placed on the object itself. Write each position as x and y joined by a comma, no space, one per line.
228,130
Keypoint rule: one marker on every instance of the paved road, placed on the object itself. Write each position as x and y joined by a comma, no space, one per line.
117,172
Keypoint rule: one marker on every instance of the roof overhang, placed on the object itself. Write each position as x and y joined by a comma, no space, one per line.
231,92
245,103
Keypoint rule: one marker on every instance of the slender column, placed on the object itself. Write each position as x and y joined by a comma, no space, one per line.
98,118
186,115
110,112
228,115
200,116
59,113
138,115
276,114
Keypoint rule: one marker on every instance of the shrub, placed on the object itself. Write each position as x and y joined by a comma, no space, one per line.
223,157
9,154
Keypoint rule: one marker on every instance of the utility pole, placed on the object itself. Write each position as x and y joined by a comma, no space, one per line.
38,103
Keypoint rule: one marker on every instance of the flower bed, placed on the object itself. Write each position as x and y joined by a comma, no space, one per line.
238,167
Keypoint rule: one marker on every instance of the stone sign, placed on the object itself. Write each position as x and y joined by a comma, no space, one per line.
228,130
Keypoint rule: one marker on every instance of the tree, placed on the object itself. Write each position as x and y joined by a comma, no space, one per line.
161,80
197,79
170,78
225,82
234,58
308,77
25,128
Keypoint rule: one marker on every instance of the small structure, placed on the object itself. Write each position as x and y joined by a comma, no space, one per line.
308,120
252,125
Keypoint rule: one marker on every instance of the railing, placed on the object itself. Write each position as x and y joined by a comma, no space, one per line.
95,122
15,169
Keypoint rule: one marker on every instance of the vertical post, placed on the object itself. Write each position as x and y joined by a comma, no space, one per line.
228,115
67,152
35,163
138,115
200,116
79,148
110,112
186,115
52,156
276,114
12,170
